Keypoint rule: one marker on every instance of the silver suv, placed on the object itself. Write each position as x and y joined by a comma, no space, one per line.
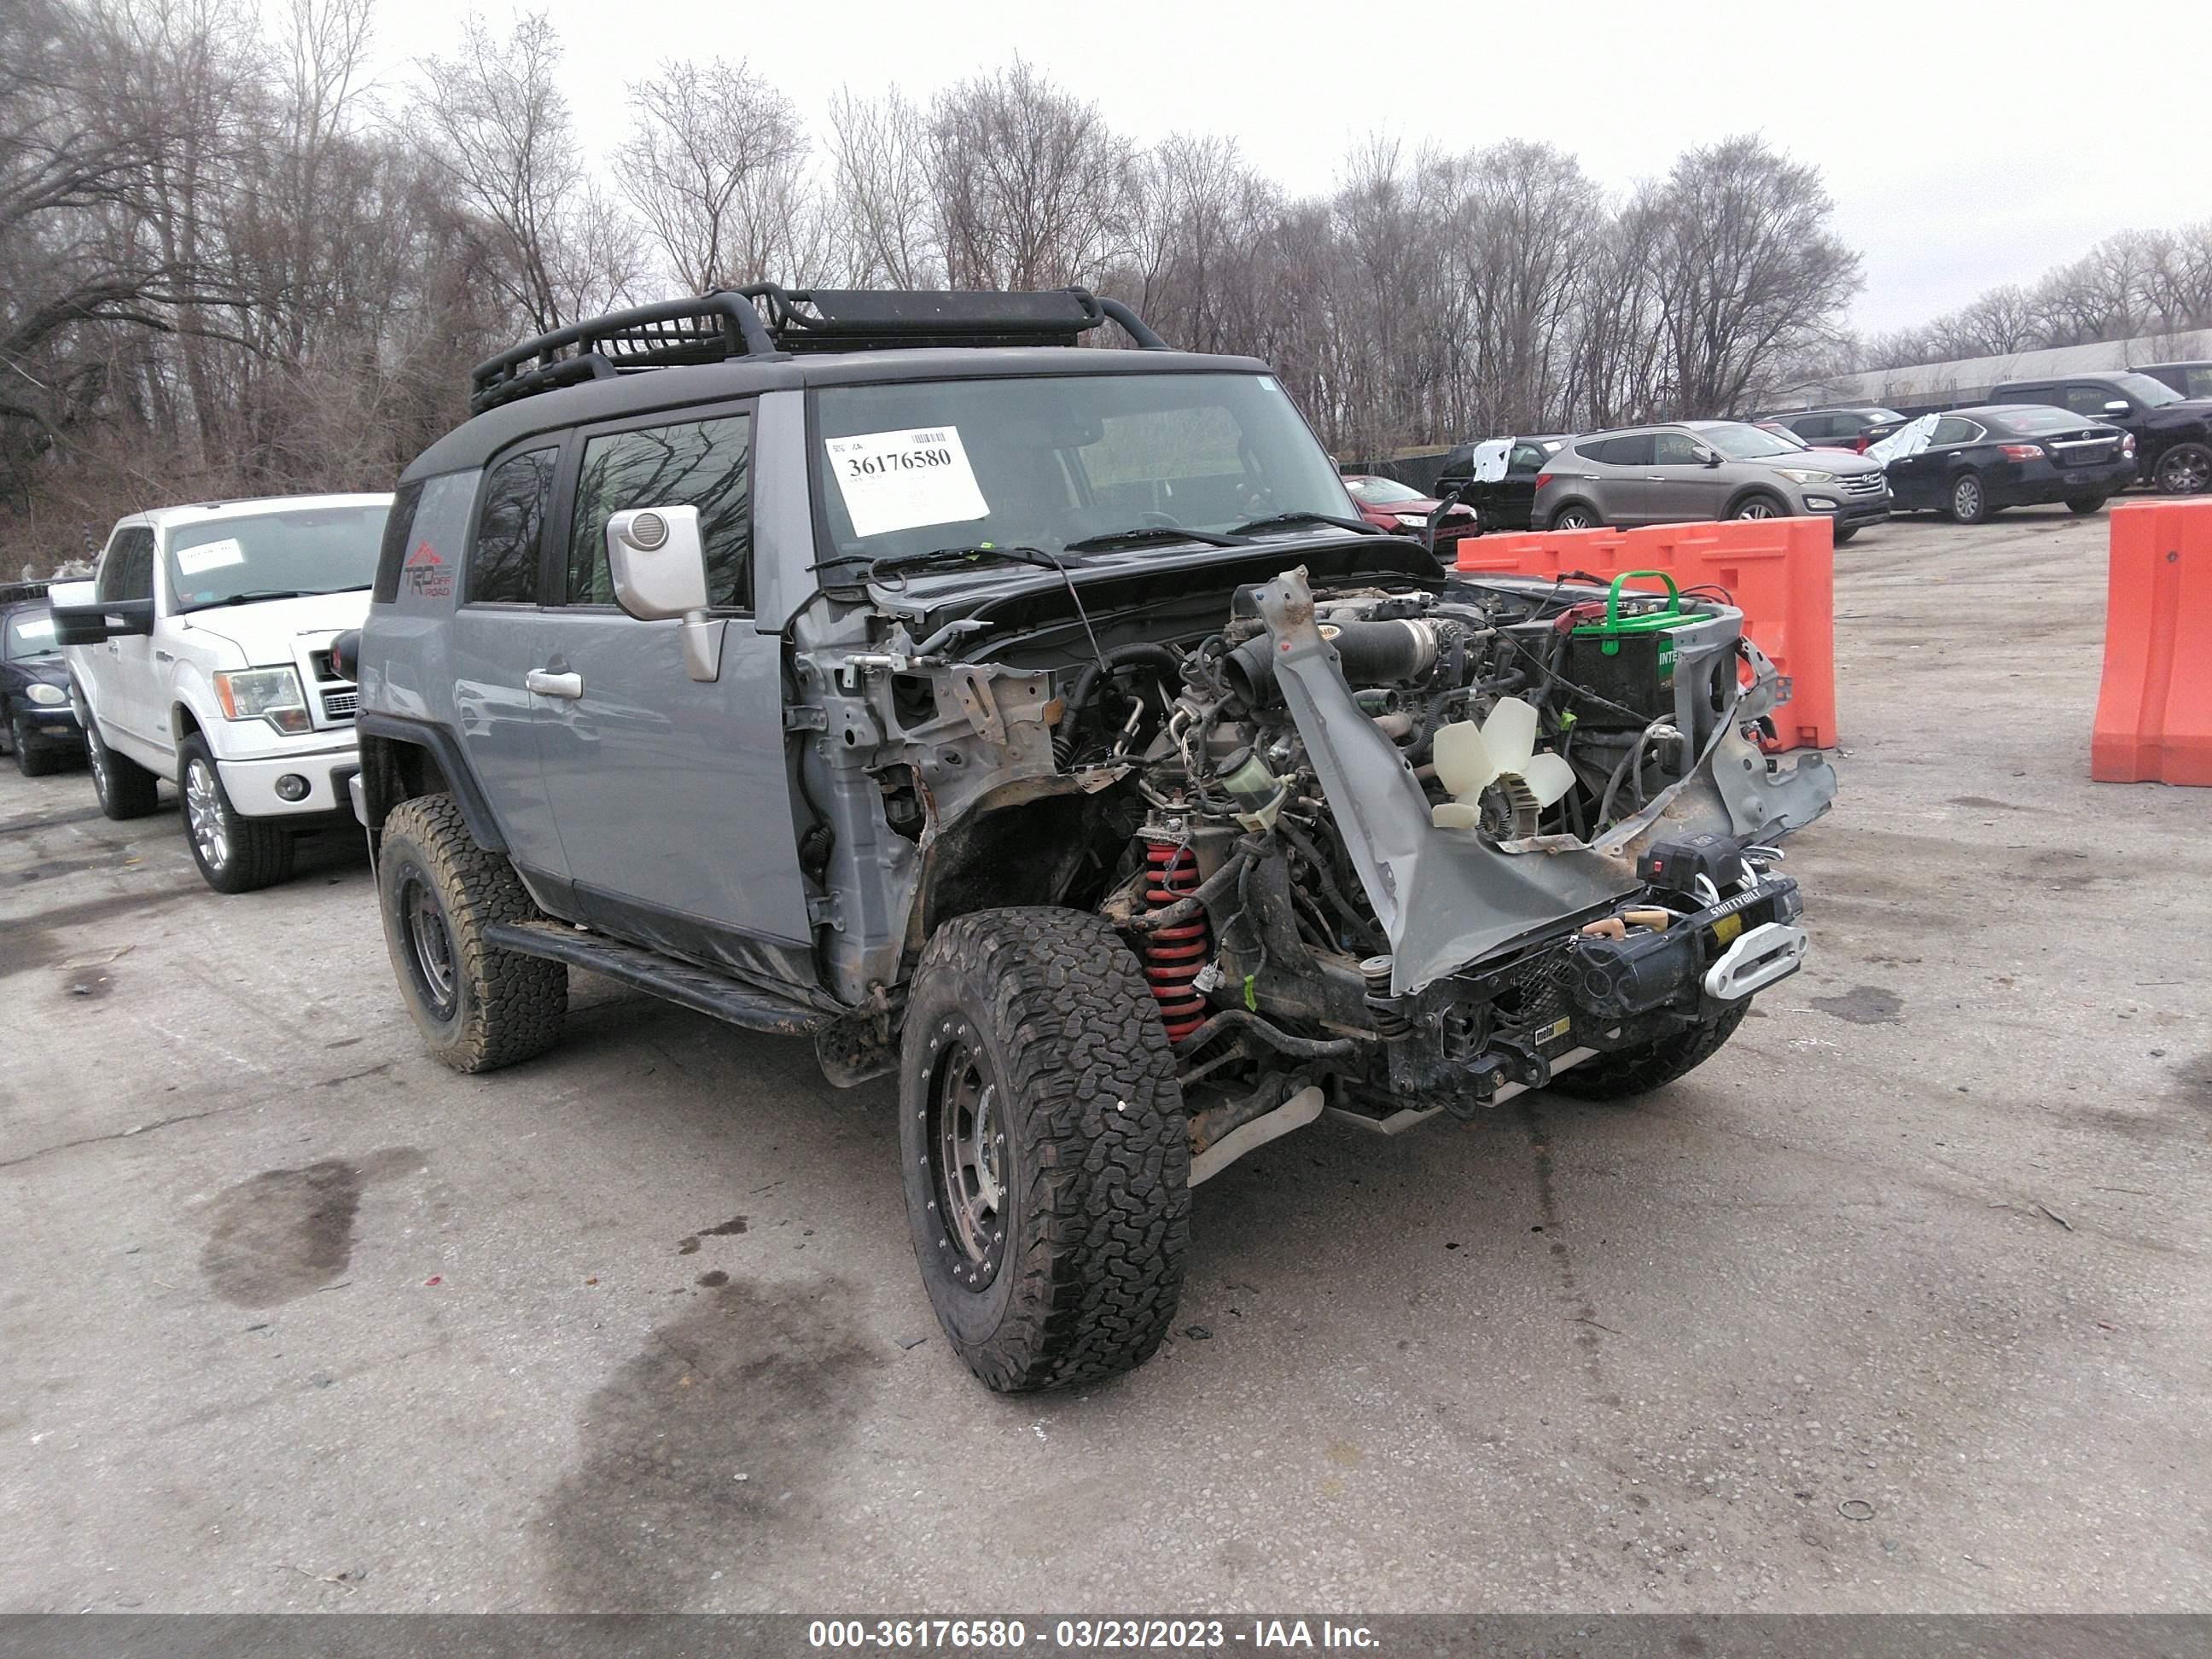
1695,470
1038,728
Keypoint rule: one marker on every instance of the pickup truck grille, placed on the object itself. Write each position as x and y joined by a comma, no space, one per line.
1862,485
339,701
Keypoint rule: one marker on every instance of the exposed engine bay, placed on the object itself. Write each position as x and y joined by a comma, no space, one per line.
1384,844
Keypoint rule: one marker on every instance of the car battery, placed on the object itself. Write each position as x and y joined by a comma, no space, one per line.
1623,650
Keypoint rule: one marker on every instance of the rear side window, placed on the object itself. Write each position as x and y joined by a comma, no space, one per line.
702,464
2025,394
391,554
511,530
1634,450
127,570
1953,429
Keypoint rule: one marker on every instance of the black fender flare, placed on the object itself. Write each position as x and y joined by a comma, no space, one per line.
453,763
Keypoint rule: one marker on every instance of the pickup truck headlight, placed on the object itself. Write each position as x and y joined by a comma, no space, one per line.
1805,475
49,696
264,694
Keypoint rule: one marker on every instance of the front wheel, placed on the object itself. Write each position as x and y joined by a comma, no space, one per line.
1046,1160
1843,533
236,854
478,1007
33,758
2086,505
1625,1074
1970,502
1758,507
2184,470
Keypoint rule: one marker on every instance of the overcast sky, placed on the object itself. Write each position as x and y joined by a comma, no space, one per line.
1966,144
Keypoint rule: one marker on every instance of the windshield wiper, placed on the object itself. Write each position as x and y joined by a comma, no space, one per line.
1274,519
1014,553
255,595
1151,534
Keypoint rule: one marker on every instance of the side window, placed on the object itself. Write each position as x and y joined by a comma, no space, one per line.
2091,399
1526,458
1626,452
510,530
127,570
1674,449
393,553
2199,378
703,464
1953,430
2027,394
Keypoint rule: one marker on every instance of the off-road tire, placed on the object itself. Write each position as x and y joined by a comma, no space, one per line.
1968,501
1627,1073
2184,470
33,758
2086,505
123,789
1094,1214
236,854
503,1007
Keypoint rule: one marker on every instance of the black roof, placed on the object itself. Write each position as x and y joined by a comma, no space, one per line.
477,440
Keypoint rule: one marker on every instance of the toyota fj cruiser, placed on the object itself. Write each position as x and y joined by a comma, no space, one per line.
1040,726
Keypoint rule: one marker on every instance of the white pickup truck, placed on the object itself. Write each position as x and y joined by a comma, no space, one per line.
200,652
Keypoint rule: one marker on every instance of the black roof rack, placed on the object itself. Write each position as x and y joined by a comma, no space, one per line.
765,322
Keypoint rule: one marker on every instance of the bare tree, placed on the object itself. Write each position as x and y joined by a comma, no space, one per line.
880,188
712,165
495,121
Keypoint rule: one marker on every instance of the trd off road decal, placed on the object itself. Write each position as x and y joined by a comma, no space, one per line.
903,480
428,576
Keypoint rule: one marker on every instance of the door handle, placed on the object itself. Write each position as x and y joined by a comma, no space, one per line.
554,685
163,656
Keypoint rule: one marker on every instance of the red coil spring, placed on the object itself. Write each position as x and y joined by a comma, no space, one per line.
1173,956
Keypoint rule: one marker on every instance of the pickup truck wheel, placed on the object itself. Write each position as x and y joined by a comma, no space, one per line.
2184,470
236,854
1046,1157
479,1007
1625,1072
32,759
125,789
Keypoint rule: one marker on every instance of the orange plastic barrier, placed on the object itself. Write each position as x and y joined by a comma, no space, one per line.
1780,572
2154,707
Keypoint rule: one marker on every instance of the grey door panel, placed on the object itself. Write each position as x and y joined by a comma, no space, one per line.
667,790
492,650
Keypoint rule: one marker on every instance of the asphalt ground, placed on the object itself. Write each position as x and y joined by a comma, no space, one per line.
1900,1303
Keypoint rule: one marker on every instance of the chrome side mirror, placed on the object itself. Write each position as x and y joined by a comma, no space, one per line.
658,569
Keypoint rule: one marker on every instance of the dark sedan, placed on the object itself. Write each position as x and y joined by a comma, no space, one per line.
1982,460
36,721
1497,477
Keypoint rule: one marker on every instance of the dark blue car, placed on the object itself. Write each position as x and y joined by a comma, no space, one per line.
36,721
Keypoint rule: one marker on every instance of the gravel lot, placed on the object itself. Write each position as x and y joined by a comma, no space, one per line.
1900,1303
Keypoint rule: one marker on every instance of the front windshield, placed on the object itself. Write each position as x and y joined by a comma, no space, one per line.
319,550
2151,394
1745,443
31,633
1382,492
923,464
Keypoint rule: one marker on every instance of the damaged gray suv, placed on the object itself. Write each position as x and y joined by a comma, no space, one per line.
1043,727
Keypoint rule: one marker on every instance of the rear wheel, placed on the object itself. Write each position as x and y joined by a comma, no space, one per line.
2184,470
1970,502
1627,1073
1576,515
125,789
479,1007
236,854
1045,1155
2085,505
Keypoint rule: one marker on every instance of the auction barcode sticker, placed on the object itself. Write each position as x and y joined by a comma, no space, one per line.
902,480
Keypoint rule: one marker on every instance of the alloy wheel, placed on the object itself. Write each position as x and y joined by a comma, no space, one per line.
1966,499
2184,474
204,815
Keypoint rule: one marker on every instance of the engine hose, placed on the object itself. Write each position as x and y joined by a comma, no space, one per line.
1274,1035
1139,655
1175,956
1200,899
